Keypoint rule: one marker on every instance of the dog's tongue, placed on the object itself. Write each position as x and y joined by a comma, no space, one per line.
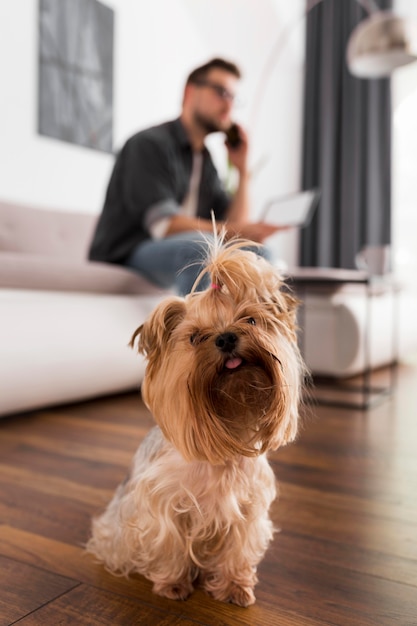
231,364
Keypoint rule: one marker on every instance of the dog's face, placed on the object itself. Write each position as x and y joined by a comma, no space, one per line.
223,374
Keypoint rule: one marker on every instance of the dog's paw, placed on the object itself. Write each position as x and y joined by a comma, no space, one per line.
242,596
173,591
231,592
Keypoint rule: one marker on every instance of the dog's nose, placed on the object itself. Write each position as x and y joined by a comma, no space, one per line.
226,342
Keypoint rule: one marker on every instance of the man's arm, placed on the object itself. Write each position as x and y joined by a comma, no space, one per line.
181,223
237,222
255,231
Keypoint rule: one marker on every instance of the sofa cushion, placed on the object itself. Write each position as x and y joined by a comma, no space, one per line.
32,271
31,230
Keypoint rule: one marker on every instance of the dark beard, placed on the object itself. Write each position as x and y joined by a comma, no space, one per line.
207,125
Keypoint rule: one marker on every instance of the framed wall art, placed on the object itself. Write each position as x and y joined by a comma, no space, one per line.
75,86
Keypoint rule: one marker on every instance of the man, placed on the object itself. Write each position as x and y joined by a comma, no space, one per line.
156,216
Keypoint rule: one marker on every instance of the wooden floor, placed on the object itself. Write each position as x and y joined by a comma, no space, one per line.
346,554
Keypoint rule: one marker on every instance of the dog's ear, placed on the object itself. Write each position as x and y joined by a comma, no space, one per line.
288,303
154,333
283,306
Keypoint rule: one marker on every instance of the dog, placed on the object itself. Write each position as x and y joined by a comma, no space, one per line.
223,381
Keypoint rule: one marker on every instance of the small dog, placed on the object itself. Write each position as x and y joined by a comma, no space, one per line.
223,382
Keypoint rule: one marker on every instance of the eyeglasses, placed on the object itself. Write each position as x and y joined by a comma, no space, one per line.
219,90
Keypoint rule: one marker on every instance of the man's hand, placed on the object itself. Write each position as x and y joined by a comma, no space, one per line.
256,231
238,156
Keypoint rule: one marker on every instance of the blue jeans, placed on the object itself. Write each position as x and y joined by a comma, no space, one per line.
175,261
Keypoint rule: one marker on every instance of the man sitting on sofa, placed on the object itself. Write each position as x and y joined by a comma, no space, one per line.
156,215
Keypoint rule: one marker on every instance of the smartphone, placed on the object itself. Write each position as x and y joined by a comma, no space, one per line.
233,136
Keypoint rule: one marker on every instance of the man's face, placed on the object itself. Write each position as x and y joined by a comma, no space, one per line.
212,100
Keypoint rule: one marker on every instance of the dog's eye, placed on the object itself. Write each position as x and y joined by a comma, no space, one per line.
198,337
252,320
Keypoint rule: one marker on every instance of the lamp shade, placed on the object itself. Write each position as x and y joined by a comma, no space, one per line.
380,44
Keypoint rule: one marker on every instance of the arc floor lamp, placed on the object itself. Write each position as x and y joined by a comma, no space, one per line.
377,46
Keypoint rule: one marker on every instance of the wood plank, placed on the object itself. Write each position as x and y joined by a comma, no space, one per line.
355,558
80,449
337,518
53,484
77,607
47,515
75,437
24,588
336,593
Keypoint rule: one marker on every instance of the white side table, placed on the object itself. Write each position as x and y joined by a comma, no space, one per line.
308,280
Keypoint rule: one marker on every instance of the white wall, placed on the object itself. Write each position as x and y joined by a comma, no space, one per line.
404,162
157,43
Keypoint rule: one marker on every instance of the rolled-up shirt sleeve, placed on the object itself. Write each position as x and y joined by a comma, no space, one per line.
159,229
160,212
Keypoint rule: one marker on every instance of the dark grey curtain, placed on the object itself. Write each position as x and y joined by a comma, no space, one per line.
346,143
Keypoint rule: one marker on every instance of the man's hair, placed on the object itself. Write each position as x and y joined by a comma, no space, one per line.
200,73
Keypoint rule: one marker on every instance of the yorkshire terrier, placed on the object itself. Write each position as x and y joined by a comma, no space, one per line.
223,382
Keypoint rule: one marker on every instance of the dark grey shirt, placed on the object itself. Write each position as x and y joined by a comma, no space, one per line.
150,180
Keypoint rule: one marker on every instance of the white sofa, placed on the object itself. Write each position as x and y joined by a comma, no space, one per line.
65,321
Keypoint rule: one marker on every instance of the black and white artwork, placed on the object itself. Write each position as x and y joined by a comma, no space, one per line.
75,102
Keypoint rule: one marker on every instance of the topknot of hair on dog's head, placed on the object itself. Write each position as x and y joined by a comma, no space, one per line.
240,272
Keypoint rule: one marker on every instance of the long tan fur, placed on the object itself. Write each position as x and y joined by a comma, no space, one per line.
196,503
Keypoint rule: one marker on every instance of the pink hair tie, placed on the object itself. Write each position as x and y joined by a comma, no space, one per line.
214,286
